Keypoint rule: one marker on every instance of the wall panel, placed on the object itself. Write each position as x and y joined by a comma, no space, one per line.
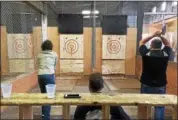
4,52
98,66
131,51
37,40
87,50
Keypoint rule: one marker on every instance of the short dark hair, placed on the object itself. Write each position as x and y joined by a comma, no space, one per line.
157,44
96,82
47,45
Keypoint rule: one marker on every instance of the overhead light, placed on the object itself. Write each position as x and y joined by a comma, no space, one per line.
154,9
174,3
95,16
96,12
86,12
163,6
90,16
86,16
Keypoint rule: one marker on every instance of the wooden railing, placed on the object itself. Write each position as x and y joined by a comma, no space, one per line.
25,101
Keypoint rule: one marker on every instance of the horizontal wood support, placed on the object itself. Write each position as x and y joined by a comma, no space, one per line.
25,101
88,98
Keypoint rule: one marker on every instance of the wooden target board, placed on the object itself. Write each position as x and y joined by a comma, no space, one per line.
18,66
20,46
113,67
71,46
71,66
172,37
114,47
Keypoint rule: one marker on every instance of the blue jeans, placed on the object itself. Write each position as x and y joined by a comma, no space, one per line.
43,80
159,111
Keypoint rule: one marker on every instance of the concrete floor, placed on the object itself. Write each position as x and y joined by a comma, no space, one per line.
56,111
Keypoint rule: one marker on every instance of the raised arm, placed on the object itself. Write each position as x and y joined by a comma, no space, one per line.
165,41
145,40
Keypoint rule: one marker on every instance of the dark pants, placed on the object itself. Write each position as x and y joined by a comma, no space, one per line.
159,111
117,112
44,80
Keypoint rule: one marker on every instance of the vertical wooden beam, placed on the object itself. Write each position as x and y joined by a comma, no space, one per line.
66,112
105,112
144,112
4,52
20,112
37,41
174,113
87,50
98,65
26,112
131,47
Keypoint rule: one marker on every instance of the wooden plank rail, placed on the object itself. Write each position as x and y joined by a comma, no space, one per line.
25,101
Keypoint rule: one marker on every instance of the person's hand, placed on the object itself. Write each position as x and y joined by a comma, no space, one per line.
156,34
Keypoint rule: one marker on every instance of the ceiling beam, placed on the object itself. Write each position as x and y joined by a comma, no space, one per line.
160,13
38,6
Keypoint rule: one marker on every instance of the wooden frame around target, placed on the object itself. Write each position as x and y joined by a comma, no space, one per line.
71,46
114,47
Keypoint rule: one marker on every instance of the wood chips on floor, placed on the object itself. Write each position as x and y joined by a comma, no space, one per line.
66,83
122,84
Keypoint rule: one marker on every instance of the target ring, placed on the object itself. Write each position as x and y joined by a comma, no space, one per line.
71,46
113,46
19,45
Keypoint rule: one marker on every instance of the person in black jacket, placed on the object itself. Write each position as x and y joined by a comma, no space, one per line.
96,84
154,62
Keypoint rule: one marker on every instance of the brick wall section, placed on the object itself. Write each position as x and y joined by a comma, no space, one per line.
23,84
171,75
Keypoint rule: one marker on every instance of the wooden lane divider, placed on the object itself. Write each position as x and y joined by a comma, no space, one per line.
25,112
27,100
66,112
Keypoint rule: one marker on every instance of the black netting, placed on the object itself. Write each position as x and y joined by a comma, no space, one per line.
18,17
23,30
52,17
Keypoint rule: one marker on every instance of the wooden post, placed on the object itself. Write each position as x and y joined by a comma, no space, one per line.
174,113
66,112
144,112
105,112
26,112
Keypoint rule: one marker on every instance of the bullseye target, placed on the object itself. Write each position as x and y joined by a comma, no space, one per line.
71,46
113,46
19,45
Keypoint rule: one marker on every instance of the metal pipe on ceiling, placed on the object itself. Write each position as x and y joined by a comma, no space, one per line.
160,13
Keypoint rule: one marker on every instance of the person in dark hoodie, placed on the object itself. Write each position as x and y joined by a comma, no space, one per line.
47,61
154,64
96,84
